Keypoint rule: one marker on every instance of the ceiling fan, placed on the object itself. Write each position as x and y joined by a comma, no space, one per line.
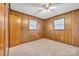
46,8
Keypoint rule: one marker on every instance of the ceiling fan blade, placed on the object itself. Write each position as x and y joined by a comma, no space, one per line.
52,7
38,11
42,12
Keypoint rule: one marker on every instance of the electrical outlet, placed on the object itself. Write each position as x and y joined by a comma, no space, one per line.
1,45
61,37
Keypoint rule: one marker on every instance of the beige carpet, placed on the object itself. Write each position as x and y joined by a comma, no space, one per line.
44,47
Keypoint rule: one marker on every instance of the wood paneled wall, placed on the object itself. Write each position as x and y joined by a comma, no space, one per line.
75,27
19,28
70,34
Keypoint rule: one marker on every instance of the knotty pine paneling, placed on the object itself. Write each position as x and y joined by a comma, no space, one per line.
15,30
24,34
75,27
70,34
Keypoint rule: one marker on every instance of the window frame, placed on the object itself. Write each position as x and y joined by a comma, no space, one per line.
59,19
36,24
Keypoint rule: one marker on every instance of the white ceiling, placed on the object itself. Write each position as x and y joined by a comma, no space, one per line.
33,9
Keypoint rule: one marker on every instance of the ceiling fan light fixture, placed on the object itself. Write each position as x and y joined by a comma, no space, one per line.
47,5
47,8
45,11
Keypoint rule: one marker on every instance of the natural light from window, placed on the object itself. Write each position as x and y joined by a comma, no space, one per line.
59,24
32,24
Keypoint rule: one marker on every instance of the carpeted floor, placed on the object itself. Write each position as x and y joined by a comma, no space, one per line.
44,47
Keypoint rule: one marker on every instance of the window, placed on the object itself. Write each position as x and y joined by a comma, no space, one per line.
32,24
59,24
